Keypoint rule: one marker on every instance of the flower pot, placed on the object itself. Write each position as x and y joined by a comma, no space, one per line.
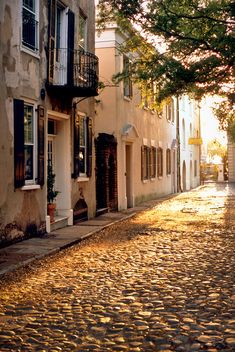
51,211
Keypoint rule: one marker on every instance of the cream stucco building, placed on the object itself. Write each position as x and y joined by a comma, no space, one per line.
136,149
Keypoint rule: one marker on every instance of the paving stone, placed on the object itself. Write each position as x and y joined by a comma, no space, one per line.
161,281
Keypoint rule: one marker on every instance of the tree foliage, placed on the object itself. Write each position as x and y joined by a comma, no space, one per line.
193,41
215,148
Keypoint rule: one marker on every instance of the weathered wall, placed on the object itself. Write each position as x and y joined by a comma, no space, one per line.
21,77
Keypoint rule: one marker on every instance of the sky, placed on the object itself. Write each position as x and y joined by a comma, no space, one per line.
209,123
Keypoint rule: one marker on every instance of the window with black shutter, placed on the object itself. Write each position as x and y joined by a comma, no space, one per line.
145,162
28,144
89,146
159,162
19,166
41,145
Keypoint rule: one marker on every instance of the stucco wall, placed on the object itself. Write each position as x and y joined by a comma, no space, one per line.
114,112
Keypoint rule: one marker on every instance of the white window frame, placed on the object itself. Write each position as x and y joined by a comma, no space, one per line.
24,47
83,120
35,143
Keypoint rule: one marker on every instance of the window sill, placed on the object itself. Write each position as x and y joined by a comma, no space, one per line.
152,179
145,181
30,52
127,98
30,187
83,179
160,177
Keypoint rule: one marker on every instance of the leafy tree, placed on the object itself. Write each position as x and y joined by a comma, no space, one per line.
215,148
193,40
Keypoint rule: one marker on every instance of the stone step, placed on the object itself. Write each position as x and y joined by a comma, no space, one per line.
60,222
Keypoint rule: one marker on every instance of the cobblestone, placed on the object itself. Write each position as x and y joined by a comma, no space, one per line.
160,281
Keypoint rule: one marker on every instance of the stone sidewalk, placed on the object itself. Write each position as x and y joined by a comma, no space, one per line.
25,252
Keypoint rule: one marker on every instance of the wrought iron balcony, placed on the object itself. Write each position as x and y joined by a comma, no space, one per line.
72,73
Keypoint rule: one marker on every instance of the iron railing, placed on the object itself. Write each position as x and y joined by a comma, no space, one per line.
73,68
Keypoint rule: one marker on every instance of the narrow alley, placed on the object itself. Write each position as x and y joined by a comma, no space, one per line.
162,280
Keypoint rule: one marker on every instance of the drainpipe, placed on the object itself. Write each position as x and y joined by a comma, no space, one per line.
200,146
178,145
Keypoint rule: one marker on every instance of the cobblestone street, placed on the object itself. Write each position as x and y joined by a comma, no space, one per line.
160,281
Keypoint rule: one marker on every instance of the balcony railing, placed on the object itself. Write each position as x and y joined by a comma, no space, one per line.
74,73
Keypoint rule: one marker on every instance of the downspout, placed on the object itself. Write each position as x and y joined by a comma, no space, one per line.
200,146
178,145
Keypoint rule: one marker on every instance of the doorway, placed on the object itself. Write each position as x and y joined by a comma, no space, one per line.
106,173
58,156
129,197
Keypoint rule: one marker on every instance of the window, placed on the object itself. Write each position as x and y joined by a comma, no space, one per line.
144,162
170,116
168,161
82,145
61,44
30,16
127,84
195,168
153,156
159,162
82,32
28,144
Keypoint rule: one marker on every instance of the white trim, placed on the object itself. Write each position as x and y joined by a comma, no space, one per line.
80,113
125,97
55,115
30,187
30,52
82,179
145,141
153,143
33,52
30,102
160,144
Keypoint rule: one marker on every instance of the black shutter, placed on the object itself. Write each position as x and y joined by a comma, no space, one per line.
19,167
41,146
89,146
142,162
76,146
51,39
70,64
148,162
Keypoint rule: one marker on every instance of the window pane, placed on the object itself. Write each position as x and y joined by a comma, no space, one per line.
28,155
82,158
83,145
30,4
28,124
82,32
29,25
82,133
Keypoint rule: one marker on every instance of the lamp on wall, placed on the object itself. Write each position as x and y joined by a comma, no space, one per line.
42,93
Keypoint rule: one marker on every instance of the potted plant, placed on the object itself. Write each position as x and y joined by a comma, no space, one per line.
51,193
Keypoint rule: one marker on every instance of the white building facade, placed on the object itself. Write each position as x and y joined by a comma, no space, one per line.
190,143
